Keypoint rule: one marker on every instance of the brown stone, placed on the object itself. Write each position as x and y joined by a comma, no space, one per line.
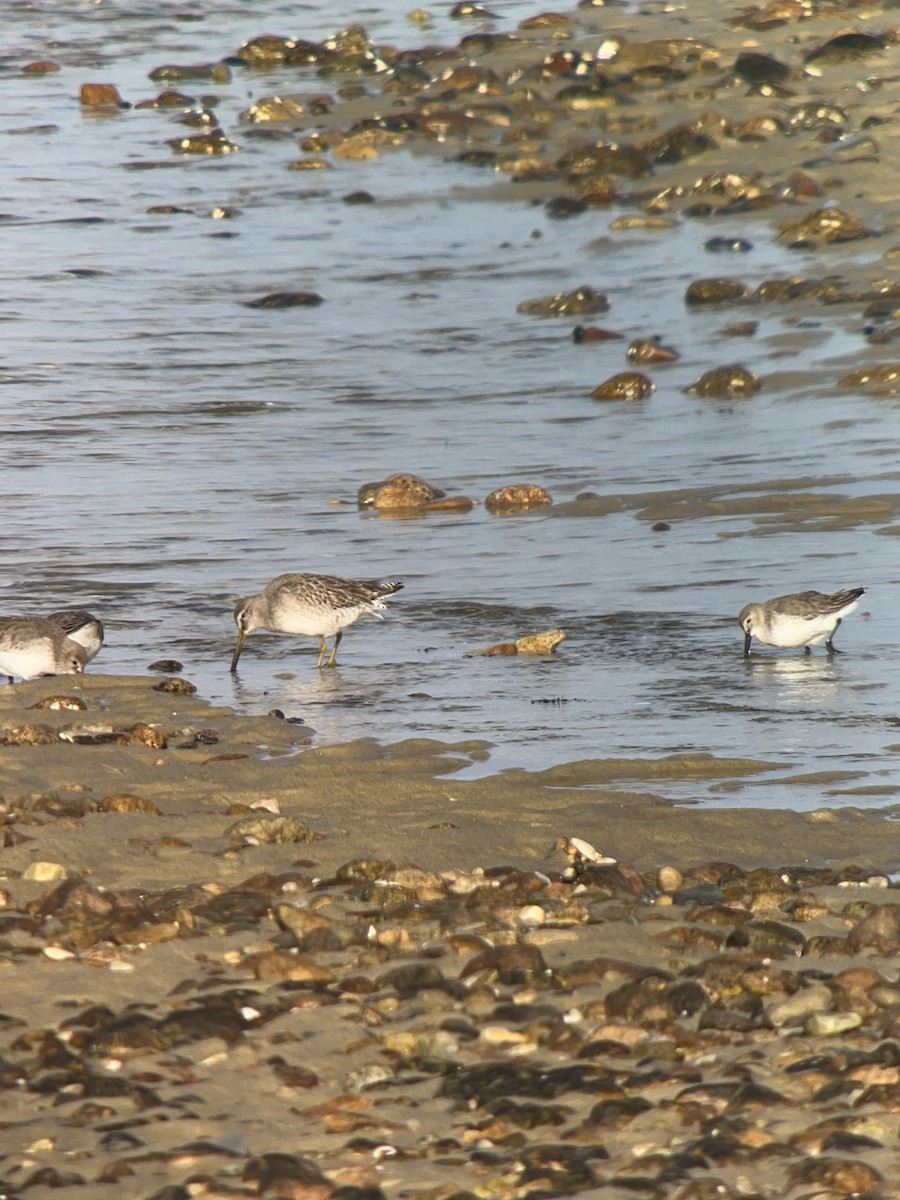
517,498
124,802
101,95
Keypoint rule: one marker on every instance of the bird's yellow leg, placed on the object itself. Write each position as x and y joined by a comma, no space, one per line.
322,648
337,642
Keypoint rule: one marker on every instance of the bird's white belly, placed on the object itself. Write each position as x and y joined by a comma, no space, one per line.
27,662
800,631
320,624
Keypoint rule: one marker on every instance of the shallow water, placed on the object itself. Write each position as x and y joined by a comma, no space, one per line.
167,450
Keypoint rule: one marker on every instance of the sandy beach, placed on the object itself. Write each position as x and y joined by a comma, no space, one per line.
238,965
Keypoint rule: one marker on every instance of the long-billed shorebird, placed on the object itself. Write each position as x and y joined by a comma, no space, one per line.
313,605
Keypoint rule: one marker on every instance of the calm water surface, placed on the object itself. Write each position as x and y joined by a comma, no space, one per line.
166,450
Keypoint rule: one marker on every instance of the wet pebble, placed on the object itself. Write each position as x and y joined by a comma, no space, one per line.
651,350
517,498
583,300
824,227
535,643
287,300
210,143
626,385
218,72
715,291
101,95
883,379
61,703
592,333
175,686
166,666
723,245
403,491
565,206
266,830
732,381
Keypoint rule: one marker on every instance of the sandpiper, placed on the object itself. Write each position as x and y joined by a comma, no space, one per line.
800,619
82,627
31,646
313,605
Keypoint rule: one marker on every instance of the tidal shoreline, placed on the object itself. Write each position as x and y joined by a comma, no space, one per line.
237,964
396,801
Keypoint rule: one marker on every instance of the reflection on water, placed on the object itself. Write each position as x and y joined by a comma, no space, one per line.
167,449
796,681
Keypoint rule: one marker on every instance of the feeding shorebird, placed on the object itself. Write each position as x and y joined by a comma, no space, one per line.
313,605
31,646
800,619
82,627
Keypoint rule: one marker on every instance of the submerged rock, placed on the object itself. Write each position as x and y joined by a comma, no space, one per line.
401,491
824,227
517,498
715,291
626,385
101,95
287,300
651,350
534,643
210,143
563,304
725,381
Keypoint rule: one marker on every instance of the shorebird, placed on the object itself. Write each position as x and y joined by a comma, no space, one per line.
313,605
800,619
82,627
31,646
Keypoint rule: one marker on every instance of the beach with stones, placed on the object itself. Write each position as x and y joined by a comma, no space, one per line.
238,963
235,964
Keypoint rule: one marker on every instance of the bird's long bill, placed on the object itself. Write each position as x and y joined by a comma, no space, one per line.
748,638
237,650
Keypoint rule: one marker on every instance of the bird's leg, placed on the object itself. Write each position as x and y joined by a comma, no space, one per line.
807,650
829,645
322,648
337,642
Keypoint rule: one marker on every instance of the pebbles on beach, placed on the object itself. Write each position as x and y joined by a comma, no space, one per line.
245,949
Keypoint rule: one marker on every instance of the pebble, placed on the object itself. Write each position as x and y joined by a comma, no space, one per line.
829,1024
517,498
802,1004
45,872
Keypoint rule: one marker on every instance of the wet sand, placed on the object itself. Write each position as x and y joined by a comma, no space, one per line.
397,801
236,964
